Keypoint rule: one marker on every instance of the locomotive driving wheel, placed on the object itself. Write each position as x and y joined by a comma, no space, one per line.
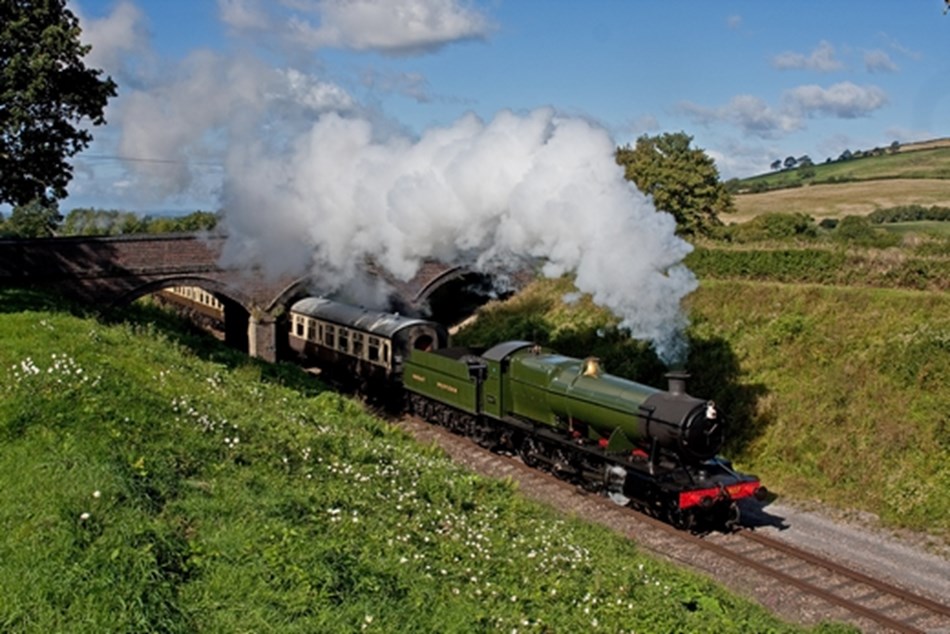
530,452
681,519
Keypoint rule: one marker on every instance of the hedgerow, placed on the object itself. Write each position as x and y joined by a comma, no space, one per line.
834,266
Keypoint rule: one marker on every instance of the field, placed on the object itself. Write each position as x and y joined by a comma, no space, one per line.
843,199
156,482
917,174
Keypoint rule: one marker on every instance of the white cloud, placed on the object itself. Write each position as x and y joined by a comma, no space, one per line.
877,61
843,100
243,15
737,159
749,113
114,36
755,116
392,27
821,59
896,46
734,21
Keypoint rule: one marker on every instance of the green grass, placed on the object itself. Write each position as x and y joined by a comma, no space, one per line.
852,400
154,486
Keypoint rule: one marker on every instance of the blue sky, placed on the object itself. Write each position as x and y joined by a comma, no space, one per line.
203,82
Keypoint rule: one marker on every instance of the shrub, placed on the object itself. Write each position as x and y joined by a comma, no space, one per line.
858,230
909,213
786,265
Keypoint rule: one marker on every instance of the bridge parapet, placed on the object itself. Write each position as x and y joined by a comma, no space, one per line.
90,257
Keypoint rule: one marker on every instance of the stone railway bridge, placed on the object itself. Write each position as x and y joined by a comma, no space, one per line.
116,270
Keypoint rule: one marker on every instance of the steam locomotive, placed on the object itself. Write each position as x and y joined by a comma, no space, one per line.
655,450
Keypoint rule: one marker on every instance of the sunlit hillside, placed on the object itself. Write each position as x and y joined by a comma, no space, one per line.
909,174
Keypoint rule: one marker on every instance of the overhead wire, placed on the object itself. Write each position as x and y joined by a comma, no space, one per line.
137,159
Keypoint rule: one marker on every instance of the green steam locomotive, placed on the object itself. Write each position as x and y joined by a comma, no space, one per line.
649,448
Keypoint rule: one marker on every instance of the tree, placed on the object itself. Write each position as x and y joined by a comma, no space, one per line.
777,164
790,162
46,95
36,219
682,180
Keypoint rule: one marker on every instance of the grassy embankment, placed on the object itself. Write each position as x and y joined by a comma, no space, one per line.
835,394
155,482
853,380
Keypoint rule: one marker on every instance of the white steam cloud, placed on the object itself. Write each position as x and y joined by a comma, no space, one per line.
489,196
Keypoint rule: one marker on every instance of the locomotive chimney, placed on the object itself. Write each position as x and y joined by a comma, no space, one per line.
677,382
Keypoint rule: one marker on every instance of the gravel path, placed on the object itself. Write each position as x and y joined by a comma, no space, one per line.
914,562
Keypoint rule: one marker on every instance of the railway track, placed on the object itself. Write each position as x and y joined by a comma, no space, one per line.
797,584
887,606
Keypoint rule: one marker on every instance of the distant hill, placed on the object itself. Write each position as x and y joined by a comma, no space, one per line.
909,174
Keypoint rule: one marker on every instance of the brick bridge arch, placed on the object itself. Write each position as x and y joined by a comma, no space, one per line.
115,270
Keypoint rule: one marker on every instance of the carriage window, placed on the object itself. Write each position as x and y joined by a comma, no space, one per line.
311,330
358,344
373,351
298,322
386,352
344,340
328,338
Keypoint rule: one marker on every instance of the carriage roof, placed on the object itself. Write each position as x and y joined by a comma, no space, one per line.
356,317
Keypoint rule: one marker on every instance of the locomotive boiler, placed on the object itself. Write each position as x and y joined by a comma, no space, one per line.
577,395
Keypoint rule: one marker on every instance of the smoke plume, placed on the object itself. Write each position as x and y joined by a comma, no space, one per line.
490,196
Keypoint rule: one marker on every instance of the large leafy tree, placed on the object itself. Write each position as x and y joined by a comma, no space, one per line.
46,95
682,180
